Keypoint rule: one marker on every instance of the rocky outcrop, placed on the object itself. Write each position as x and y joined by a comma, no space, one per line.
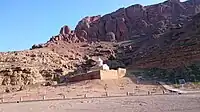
20,76
65,30
66,35
139,21
32,66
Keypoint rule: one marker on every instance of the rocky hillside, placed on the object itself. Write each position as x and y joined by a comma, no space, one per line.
49,65
147,27
178,47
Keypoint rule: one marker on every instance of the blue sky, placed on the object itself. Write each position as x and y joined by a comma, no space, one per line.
27,22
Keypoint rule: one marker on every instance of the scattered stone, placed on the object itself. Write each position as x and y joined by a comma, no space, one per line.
22,88
50,83
8,90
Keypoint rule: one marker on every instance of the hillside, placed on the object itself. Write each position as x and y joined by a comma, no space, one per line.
49,64
163,35
178,47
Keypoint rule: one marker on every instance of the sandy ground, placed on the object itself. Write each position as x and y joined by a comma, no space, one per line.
162,103
92,88
97,88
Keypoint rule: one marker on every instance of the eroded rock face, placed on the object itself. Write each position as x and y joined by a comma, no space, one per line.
32,66
65,35
20,76
138,20
77,36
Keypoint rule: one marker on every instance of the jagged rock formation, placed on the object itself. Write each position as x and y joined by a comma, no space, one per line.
139,21
66,35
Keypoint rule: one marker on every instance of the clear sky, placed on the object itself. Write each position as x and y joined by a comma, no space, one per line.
27,22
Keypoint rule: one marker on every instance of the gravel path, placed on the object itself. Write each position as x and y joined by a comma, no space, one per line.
163,103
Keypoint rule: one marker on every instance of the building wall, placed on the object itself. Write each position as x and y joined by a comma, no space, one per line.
88,76
100,74
121,72
112,74
108,74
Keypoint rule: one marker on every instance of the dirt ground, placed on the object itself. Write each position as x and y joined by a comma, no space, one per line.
90,88
160,103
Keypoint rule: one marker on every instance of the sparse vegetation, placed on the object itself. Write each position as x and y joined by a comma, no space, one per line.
189,73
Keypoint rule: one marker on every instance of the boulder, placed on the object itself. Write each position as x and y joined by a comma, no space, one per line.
6,81
65,30
37,46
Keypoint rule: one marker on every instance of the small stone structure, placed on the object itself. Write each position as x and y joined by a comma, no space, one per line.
100,74
112,74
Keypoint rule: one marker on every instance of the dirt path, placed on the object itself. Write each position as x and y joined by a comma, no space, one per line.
171,103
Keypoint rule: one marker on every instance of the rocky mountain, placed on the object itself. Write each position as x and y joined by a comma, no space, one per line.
139,21
164,35
136,22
